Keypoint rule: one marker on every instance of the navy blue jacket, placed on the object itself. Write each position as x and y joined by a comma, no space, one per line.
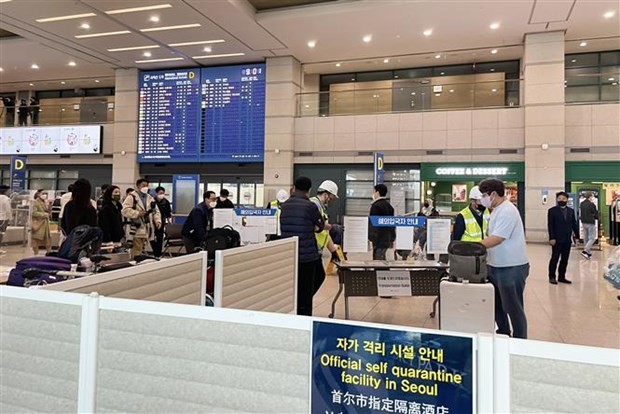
195,226
300,217
560,229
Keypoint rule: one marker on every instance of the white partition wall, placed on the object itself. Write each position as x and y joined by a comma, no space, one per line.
260,277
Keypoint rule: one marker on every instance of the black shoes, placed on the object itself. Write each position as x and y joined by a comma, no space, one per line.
553,281
568,282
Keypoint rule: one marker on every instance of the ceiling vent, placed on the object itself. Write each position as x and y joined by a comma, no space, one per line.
434,152
509,151
579,150
305,154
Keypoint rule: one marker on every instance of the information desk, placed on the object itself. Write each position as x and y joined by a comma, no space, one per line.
359,278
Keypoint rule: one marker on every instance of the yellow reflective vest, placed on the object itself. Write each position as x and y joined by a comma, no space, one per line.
473,232
276,205
323,237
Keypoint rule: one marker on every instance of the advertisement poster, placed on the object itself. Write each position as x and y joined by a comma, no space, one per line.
70,139
367,370
459,193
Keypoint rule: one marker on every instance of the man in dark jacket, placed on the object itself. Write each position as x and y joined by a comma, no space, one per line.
562,226
382,238
300,217
223,201
588,214
194,230
166,217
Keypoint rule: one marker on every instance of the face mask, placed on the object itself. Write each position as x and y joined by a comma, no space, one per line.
426,205
562,203
43,196
161,196
212,204
481,208
486,201
144,190
223,198
116,197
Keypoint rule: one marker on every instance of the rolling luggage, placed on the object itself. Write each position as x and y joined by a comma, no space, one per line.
53,264
466,307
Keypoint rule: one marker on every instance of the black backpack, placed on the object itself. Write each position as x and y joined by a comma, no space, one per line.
221,239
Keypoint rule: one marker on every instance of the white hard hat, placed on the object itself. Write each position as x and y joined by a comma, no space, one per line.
282,195
474,193
330,187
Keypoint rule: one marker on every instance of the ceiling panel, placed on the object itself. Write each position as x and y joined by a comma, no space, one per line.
551,10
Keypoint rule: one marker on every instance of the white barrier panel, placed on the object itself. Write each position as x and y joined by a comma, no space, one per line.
260,277
178,280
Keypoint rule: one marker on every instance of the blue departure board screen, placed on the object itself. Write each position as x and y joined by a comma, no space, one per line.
214,114
233,113
169,116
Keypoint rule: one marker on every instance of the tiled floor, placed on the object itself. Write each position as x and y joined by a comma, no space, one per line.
586,312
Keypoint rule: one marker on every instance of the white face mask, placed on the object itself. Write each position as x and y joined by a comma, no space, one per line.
223,198
486,201
212,204
144,190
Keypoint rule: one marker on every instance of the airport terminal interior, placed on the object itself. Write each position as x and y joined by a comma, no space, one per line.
197,129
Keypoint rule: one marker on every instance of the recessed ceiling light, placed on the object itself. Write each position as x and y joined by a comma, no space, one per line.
139,9
147,54
493,90
412,93
5,1
367,38
31,84
492,69
611,79
72,63
428,32
154,19
207,49
63,82
161,29
1,70
494,26
69,17
494,51
583,44
609,14
386,60
218,56
437,56
85,26
34,66
125,49
573,61
338,65
159,60
311,43
102,34
97,81
200,42
451,90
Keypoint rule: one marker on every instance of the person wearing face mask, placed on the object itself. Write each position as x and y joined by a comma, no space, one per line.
166,215
326,193
562,226
223,201
197,224
507,262
40,223
110,219
428,209
382,238
143,215
472,222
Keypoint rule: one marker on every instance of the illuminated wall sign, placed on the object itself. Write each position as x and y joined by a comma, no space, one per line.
508,171
472,171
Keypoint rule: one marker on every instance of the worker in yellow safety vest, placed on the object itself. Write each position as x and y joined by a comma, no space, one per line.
472,222
281,197
327,191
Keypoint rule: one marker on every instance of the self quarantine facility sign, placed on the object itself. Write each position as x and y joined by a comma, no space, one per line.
358,369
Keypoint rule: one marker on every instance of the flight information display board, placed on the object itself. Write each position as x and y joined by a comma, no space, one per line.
169,116
233,113
214,114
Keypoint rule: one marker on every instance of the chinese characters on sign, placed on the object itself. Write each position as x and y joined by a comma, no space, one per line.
358,369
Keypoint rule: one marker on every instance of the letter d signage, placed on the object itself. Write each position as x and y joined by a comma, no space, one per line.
379,168
18,173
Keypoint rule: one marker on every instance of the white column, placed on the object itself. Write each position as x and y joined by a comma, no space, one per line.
125,169
283,83
543,66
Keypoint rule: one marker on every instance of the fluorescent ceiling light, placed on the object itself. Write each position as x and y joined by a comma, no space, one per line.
367,38
609,14
34,66
494,51
583,44
200,42
125,49
102,34
72,63
181,26
139,9
493,90
159,60
311,44
611,79
5,1
573,61
428,32
69,17
494,26
218,56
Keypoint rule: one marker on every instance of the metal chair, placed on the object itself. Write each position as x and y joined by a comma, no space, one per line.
173,238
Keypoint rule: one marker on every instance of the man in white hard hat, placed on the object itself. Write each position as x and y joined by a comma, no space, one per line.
472,222
276,204
327,192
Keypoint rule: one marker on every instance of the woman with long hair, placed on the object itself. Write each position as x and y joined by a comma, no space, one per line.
79,211
110,217
40,222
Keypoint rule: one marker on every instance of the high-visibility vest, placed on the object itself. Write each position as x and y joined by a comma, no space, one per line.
323,237
473,232
276,205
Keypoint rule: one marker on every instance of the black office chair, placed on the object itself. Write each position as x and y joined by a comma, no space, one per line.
173,239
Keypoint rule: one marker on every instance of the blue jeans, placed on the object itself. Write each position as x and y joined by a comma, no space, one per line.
509,284
590,236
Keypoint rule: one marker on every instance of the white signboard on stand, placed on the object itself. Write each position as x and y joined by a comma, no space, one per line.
223,217
355,234
404,238
438,236
393,283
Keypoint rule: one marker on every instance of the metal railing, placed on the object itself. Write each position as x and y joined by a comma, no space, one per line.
85,112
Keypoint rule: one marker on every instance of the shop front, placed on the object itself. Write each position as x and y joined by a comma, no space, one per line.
448,184
602,178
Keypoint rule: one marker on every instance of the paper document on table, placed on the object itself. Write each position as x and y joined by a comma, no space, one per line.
404,238
391,283
223,217
355,234
438,236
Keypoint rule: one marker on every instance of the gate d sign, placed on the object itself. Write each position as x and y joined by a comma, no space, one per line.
379,172
18,173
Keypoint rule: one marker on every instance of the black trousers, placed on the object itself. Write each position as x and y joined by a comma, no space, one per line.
559,252
310,277
158,243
